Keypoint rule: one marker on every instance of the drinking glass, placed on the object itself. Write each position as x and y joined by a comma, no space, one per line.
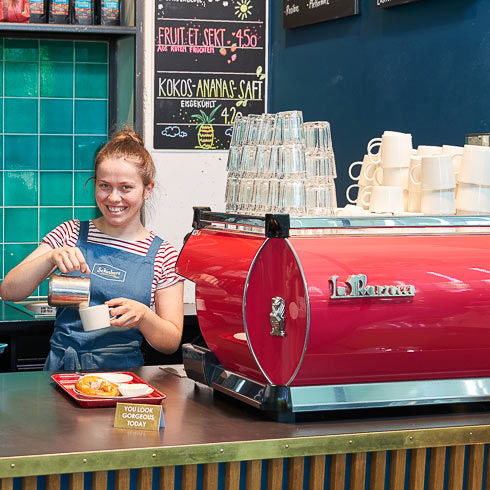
318,136
289,128
273,193
238,134
292,161
321,199
247,167
262,161
292,197
245,196
252,129
273,164
266,129
261,193
320,165
234,159
231,194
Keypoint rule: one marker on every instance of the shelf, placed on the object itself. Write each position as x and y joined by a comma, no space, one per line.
69,29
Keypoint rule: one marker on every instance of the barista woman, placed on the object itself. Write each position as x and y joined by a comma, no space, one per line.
145,295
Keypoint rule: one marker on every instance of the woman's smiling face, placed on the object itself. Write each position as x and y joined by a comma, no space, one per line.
119,191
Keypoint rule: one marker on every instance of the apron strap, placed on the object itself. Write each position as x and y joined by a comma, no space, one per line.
83,233
154,247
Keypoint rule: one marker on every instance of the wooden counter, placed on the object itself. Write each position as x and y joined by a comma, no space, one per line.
44,432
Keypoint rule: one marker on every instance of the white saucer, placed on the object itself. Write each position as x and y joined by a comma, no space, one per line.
116,378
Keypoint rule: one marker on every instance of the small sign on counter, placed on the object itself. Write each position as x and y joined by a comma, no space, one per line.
382,4
138,416
298,13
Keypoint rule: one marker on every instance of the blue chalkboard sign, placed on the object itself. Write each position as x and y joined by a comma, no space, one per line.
298,13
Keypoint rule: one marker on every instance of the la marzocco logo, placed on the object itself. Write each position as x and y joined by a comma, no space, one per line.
357,287
109,272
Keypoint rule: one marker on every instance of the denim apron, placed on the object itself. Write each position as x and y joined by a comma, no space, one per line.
115,273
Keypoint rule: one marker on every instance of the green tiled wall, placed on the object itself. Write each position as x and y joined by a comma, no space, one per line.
54,107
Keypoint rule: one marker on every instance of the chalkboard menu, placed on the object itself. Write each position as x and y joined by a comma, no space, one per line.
302,12
210,66
382,4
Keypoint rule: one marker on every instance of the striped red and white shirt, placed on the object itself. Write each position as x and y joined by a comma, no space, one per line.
164,275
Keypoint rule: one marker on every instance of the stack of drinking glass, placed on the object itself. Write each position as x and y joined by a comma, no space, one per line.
278,164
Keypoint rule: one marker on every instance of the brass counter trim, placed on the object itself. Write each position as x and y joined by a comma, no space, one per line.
242,451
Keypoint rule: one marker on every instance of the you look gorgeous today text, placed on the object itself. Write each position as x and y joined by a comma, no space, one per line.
137,416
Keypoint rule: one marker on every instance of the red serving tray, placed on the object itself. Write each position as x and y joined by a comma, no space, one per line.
67,383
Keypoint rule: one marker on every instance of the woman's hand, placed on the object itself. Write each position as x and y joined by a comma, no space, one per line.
126,312
69,259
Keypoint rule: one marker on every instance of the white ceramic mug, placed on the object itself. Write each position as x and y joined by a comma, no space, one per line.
415,185
436,172
361,191
456,153
414,204
395,149
423,150
475,165
394,176
95,317
366,173
384,199
472,197
438,202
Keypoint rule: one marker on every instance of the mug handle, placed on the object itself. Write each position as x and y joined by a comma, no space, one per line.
412,174
351,166
374,157
347,193
367,193
370,165
376,173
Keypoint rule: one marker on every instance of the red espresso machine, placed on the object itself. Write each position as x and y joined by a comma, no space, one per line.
315,314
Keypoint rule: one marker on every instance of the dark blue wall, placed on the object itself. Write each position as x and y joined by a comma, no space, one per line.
422,68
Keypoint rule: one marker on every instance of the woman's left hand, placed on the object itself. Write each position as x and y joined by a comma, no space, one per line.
126,312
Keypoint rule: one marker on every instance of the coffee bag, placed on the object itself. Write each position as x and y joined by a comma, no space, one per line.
59,11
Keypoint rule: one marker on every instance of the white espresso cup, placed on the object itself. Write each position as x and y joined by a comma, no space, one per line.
475,165
395,149
384,199
394,176
361,191
423,150
456,153
366,173
438,202
472,197
415,185
414,204
436,172
95,317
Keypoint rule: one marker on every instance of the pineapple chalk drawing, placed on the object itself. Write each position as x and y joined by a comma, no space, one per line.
205,130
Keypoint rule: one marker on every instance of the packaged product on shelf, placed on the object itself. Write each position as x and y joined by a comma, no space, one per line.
83,12
14,11
109,12
38,10
59,11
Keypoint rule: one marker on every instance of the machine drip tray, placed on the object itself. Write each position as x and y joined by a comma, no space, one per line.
201,365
